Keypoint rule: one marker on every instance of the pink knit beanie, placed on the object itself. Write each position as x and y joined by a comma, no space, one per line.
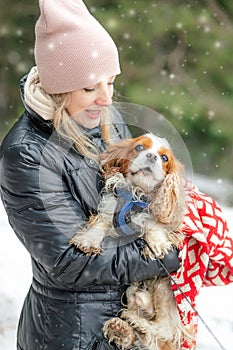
72,49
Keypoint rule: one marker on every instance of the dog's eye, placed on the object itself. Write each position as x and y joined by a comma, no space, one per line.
164,158
139,148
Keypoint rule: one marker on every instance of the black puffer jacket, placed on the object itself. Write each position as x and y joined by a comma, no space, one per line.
49,191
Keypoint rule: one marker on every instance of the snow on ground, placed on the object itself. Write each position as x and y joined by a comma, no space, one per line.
215,304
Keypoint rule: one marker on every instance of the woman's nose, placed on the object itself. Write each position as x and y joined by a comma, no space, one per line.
104,97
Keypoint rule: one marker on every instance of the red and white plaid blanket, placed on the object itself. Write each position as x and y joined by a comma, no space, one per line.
206,255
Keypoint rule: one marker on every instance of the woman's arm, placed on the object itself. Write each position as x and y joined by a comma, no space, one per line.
45,215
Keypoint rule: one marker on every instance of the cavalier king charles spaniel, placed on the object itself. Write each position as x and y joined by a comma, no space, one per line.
143,194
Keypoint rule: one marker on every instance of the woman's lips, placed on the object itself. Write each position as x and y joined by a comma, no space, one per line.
93,113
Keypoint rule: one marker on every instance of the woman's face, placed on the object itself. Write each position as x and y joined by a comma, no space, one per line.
86,105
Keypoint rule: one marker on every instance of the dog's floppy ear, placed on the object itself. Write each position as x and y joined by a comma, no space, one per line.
116,158
168,206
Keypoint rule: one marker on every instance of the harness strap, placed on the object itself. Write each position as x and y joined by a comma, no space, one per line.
126,206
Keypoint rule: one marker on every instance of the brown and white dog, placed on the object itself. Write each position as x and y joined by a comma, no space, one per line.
147,168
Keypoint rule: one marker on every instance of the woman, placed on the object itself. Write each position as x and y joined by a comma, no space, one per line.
50,183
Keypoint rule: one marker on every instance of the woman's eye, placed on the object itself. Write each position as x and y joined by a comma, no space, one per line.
164,158
139,148
88,89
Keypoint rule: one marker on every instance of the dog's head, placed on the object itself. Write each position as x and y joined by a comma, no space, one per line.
148,162
145,161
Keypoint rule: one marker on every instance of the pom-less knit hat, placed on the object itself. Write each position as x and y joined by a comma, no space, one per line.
72,49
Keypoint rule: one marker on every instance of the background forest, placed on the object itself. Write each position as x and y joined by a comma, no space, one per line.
176,58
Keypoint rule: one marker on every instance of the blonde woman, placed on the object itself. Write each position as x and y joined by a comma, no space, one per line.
50,183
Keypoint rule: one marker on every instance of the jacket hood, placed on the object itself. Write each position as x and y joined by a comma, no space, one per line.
34,98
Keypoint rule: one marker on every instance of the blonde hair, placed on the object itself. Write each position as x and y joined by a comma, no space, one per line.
69,129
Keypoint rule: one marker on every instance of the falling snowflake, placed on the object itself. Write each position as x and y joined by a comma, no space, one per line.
94,54
92,76
126,36
217,44
51,46
179,25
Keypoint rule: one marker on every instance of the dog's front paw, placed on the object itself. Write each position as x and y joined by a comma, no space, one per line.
148,253
120,332
158,242
156,251
85,245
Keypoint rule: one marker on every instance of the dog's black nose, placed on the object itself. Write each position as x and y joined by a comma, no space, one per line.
152,157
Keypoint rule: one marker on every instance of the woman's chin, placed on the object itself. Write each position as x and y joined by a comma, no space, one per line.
87,120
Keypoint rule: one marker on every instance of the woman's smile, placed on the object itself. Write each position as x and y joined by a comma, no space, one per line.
94,113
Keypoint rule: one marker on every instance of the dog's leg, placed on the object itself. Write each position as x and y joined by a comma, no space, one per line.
157,238
120,332
89,239
155,234
143,328
140,300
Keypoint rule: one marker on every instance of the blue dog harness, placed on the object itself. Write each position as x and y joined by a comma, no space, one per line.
126,206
